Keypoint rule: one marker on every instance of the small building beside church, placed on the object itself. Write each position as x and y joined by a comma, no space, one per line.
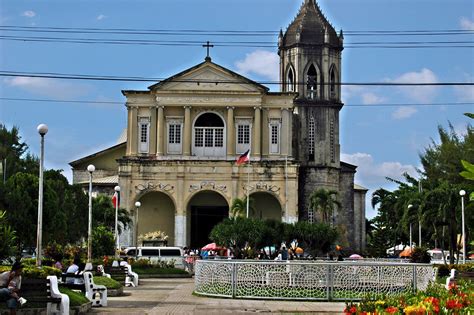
184,134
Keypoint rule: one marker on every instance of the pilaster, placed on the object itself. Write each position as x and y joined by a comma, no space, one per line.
153,130
187,131
257,134
160,137
134,131
230,132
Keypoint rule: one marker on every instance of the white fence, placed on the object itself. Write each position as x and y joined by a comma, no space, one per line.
307,280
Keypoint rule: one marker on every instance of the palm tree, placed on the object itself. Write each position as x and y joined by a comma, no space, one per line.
239,207
324,201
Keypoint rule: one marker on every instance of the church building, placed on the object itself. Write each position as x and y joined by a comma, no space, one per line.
184,134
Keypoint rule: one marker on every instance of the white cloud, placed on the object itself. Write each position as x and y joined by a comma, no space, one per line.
369,98
374,174
101,17
465,93
418,93
260,62
466,24
29,13
403,112
48,87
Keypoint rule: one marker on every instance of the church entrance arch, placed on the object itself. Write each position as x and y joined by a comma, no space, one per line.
205,210
209,135
265,206
156,213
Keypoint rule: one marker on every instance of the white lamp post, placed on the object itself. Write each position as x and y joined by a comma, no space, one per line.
90,169
42,130
409,207
137,205
117,242
462,193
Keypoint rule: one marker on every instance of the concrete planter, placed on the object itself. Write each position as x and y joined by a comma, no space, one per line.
76,310
115,292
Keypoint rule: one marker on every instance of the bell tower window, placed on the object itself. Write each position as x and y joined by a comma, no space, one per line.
290,81
332,83
311,83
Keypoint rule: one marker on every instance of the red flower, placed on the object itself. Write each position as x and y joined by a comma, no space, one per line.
432,300
453,304
391,310
352,310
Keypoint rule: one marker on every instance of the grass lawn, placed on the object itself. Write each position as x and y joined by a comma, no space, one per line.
159,271
108,282
75,298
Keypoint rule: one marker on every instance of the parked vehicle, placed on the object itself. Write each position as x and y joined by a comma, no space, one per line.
157,253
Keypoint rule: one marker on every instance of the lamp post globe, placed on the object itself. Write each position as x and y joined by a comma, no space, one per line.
462,193
138,204
90,169
42,130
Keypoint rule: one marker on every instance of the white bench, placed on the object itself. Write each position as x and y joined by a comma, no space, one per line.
97,294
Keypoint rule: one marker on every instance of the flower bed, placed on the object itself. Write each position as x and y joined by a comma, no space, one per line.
459,299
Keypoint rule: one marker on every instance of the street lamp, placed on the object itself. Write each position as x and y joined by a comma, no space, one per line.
42,130
462,193
409,207
90,169
137,205
117,242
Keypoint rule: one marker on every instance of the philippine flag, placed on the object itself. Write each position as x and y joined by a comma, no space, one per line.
116,199
244,158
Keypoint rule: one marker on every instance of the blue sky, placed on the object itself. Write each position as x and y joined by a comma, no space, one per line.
382,140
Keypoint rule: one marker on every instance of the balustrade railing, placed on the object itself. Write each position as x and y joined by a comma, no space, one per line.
308,280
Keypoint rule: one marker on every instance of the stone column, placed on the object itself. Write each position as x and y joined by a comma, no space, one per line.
285,136
153,131
160,136
180,211
129,130
187,131
257,134
134,132
230,132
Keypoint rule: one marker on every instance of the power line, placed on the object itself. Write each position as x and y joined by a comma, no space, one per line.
141,31
256,44
52,75
346,105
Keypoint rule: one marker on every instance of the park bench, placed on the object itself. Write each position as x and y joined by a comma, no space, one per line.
45,292
97,294
69,281
122,275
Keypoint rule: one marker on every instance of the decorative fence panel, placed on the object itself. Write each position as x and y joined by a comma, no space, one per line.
307,280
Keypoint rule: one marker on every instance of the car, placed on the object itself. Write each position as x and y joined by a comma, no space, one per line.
157,253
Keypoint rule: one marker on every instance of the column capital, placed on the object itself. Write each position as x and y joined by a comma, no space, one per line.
187,106
257,107
160,106
230,107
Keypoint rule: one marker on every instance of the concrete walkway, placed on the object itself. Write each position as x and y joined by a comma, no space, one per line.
174,296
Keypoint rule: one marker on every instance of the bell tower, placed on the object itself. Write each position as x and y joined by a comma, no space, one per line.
310,65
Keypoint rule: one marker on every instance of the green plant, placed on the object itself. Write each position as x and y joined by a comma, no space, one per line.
7,238
54,251
420,255
108,282
75,298
102,242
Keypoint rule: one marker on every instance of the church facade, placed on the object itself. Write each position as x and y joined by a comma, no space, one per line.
184,134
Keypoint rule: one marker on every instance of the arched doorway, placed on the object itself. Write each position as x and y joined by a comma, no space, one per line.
209,135
266,206
156,213
205,210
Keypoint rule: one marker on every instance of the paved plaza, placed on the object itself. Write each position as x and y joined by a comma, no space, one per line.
174,296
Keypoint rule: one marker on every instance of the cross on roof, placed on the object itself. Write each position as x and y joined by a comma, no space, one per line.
207,45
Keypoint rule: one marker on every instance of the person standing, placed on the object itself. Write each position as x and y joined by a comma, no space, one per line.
10,284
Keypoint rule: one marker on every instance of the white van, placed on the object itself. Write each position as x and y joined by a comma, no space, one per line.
155,254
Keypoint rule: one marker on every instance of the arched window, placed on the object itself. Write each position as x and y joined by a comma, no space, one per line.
209,135
311,83
290,81
332,83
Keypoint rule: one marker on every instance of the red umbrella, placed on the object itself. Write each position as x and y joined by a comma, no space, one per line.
212,246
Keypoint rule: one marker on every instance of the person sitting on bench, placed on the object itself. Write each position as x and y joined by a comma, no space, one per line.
75,268
10,284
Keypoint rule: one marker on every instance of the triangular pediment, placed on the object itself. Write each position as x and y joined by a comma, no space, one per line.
208,77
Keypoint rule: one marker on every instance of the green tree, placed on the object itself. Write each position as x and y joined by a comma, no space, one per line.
102,241
239,207
103,213
7,238
324,201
